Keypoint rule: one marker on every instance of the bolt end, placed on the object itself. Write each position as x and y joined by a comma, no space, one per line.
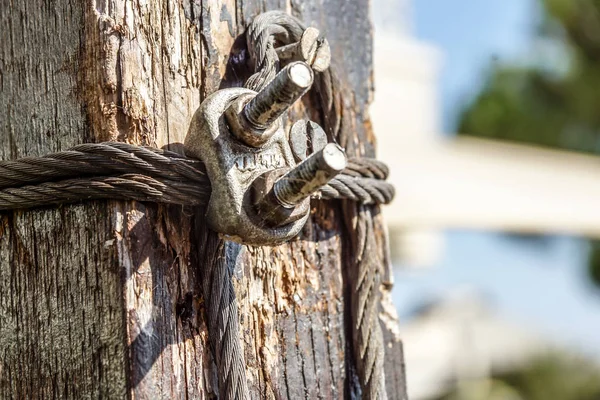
301,75
285,89
310,175
334,157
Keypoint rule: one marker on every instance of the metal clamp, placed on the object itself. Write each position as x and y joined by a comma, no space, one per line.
259,195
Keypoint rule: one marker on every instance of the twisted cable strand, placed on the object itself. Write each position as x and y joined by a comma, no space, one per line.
365,285
261,35
223,322
365,275
368,168
94,159
365,271
144,188
122,187
361,190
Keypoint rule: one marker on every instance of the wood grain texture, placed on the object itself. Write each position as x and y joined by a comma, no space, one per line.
61,312
104,299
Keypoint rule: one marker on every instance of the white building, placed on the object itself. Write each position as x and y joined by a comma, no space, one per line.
462,339
456,182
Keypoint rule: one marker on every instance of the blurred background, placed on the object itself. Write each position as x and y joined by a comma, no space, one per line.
488,113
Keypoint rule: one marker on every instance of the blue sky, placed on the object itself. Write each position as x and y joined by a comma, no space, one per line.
539,283
471,34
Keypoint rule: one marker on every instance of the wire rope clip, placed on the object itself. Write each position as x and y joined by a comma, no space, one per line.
259,195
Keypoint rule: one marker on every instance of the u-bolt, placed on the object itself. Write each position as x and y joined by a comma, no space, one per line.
252,119
283,199
307,177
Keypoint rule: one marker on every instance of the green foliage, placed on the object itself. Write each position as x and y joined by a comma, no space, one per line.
594,262
518,104
556,377
541,103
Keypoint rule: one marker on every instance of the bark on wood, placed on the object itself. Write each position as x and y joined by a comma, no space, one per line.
103,299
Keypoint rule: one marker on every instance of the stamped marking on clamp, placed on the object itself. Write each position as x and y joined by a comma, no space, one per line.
263,160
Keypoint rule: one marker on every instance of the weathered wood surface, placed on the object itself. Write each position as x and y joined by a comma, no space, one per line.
103,299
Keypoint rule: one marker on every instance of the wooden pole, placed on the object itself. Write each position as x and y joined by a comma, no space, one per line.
103,298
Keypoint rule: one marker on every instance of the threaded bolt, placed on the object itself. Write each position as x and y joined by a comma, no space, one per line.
271,102
308,176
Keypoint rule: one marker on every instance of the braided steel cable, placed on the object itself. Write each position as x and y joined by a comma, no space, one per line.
261,35
94,159
223,321
121,187
364,275
361,190
122,171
